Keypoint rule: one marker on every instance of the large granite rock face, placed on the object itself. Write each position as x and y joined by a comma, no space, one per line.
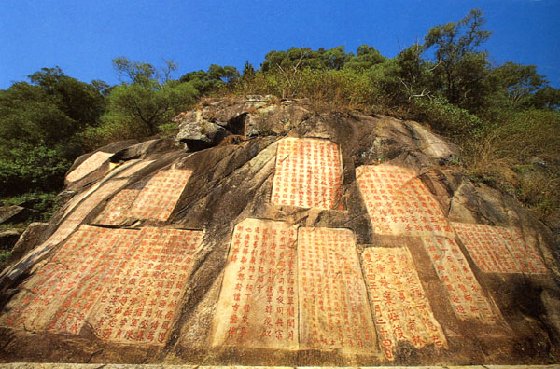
308,240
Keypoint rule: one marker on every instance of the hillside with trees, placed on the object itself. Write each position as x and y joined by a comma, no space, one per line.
505,118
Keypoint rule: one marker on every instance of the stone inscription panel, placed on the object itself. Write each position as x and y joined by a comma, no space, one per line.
158,198
140,304
123,171
77,216
335,312
116,210
400,307
126,284
499,250
399,203
103,253
33,309
258,303
308,174
465,293
89,165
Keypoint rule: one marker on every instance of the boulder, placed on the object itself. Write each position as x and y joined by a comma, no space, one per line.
198,133
11,214
142,149
32,236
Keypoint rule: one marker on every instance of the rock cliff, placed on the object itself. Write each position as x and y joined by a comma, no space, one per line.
271,234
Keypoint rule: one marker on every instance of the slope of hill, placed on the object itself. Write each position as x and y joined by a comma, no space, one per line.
271,234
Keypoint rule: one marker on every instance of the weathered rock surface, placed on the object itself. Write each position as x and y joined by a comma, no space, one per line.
11,214
308,240
8,238
32,236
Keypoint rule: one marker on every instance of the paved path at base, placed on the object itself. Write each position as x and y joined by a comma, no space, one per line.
165,366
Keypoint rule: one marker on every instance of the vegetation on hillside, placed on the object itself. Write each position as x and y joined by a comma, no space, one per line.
505,117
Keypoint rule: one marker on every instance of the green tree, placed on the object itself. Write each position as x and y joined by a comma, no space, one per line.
411,77
213,79
248,70
78,100
333,59
226,74
293,60
39,124
547,98
517,84
461,68
366,57
145,100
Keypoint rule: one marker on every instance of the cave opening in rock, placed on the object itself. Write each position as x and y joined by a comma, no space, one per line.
236,124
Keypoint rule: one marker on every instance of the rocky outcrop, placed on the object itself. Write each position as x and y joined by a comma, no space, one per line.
9,238
282,236
12,214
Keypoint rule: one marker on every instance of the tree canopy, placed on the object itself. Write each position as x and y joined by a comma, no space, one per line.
447,80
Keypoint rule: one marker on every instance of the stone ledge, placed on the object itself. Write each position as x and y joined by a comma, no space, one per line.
169,366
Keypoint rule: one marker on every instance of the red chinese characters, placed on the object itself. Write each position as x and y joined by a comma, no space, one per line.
463,290
308,174
121,172
399,203
335,312
36,308
116,210
499,249
116,280
95,261
400,307
141,302
80,212
158,198
258,303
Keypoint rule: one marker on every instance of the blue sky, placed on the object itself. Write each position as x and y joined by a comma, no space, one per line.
83,36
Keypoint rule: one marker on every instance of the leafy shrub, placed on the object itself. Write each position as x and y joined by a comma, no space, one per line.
520,154
344,89
44,203
4,255
446,118
113,128
27,168
529,133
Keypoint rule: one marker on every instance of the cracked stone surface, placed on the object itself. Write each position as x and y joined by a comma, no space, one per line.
299,239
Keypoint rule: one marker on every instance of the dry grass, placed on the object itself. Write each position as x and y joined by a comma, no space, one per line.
522,157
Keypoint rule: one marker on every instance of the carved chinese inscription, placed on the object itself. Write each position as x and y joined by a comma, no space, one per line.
335,312
499,249
116,210
102,258
158,198
258,303
399,203
308,173
35,307
141,302
89,165
77,216
400,307
121,172
465,293
125,283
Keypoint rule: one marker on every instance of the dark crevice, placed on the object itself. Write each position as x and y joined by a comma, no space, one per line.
236,125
